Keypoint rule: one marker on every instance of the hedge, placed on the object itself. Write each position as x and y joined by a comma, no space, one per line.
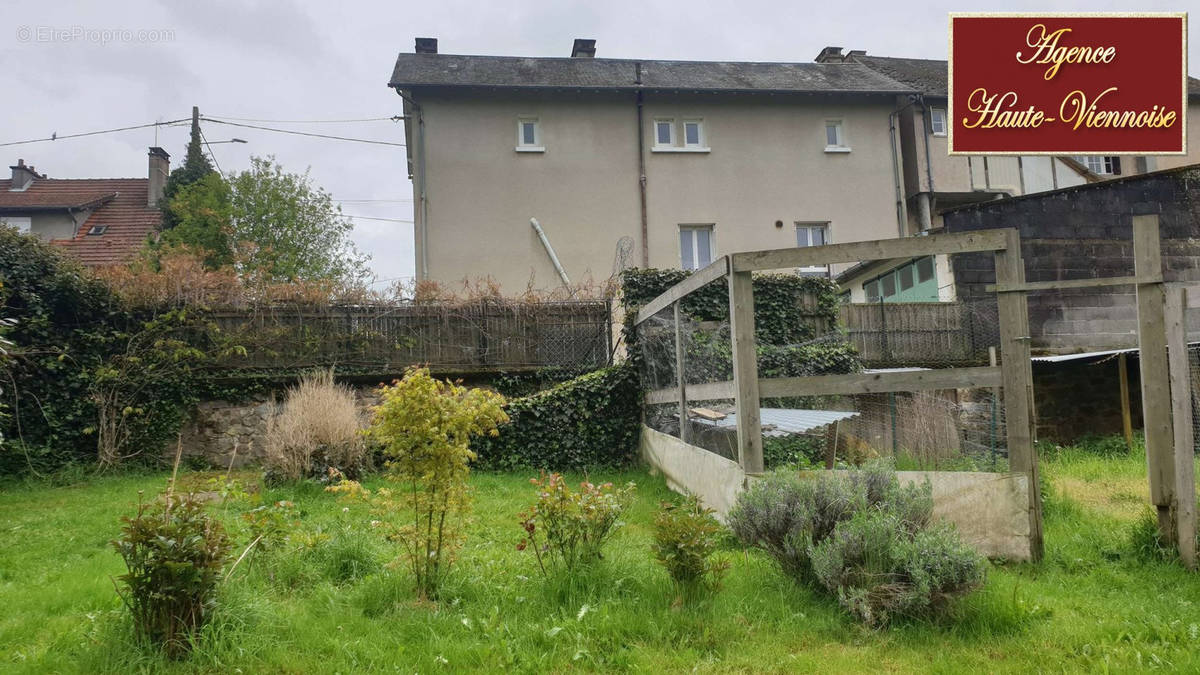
780,318
590,422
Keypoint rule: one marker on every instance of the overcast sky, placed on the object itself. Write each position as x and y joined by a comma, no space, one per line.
282,60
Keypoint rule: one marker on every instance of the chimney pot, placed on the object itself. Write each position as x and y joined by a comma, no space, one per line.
583,49
160,168
830,55
426,45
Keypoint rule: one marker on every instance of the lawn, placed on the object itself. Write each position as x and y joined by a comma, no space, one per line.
336,606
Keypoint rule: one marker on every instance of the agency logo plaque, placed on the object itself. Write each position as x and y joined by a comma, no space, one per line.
1068,84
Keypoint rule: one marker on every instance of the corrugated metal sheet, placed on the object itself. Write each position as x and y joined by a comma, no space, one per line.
784,421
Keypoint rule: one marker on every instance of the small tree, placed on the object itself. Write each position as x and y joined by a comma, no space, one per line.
202,216
424,426
299,232
194,168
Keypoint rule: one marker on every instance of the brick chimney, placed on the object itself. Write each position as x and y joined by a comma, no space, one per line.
22,176
160,168
583,49
426,46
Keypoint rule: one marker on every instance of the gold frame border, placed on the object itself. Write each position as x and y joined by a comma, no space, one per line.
1077,15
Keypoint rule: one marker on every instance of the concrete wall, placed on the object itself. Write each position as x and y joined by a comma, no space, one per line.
56,225
1080,233
990,510
1193,142
766,163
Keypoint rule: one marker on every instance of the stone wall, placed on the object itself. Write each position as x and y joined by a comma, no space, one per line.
216,428
1085,232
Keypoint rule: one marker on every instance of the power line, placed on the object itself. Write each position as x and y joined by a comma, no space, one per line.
390,220
210,152
304,133
56,137
393,118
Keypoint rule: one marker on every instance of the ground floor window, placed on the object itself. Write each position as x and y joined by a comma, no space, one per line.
695,246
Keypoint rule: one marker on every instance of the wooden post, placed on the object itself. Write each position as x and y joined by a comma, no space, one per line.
1155,373
685,425
1018,380
1181,415
745,372
1126,413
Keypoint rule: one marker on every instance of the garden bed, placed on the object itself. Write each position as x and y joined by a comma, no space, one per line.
1091,604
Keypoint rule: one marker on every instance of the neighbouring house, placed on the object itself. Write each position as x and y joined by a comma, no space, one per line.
637,162
935,181
99,221
626,162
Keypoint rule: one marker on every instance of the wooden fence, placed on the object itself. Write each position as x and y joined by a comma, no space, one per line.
921,333
481,337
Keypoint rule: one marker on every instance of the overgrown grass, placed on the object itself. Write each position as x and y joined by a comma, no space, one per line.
336,605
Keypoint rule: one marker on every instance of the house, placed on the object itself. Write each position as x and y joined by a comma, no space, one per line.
935,181
99,221
545,171
637,162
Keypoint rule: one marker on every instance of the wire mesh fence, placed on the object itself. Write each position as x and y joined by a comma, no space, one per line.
928,334
953,429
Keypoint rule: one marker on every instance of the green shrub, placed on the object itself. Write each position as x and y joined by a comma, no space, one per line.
862,537
425,427
685,537
590,422
566,529
878,570
174,553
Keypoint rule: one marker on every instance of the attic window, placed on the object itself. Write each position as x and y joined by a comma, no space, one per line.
97,230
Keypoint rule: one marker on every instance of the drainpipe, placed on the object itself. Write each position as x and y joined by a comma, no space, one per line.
562,274
926,208
901,213
642,167
423,201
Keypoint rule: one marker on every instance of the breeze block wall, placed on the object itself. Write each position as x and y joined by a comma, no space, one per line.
1084,232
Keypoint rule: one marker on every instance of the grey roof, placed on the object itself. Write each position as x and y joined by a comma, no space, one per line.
783,421
929,76
514,72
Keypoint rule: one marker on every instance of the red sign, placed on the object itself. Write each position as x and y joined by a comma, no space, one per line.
1083,84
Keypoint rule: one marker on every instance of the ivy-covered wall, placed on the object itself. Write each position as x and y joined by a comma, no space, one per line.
589,422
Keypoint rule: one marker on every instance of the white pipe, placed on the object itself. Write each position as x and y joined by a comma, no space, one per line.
562,274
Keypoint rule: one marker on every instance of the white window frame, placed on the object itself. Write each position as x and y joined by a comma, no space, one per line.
937,115
701,139
670,144
536,146
711,229
24,224
679,135
809,226
840,133
1098,164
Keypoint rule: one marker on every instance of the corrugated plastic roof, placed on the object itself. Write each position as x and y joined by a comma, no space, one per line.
783,421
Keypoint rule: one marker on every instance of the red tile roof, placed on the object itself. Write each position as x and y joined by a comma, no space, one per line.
121,207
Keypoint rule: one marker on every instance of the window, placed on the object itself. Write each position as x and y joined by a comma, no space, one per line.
937,121
529,135
813,234
664,133
924,270
906,277
871,289
96,230
835,136
23,223
695,246
1106,166
668,133
888,285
